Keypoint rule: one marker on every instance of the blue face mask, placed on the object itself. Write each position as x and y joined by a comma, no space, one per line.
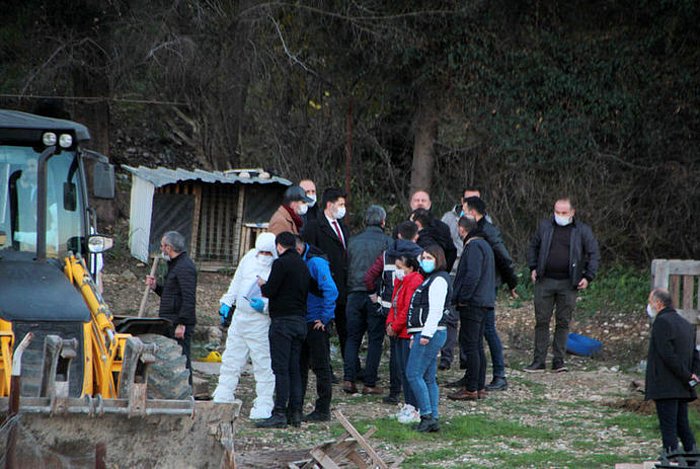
428,265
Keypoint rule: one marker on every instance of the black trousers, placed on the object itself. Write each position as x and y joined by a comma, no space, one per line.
186,344
471,336
287,333
316,354
673,421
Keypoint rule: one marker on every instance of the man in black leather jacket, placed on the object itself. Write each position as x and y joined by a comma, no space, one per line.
178,292
563,258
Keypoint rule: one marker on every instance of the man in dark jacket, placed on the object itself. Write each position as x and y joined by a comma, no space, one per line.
178,293
672,367
328,233
475,208
474,295
563,258
438,231
287,288
363,314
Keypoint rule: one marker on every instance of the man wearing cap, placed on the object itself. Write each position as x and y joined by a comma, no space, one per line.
288,215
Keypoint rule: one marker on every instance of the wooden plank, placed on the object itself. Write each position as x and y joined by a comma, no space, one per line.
659,273
679,267
197,191
323,459
360,440
688,290
674,288
239,224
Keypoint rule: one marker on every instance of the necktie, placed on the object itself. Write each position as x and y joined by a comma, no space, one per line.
337,231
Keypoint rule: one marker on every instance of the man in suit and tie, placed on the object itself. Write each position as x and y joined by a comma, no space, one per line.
328,233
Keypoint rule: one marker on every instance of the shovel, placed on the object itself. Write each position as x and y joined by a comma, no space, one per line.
144,298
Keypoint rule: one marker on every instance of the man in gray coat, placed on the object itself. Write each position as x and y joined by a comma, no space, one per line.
563,259
364,311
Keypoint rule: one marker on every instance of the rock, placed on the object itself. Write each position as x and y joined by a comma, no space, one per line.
128,276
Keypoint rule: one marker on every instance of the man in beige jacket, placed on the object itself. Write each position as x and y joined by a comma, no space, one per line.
288,215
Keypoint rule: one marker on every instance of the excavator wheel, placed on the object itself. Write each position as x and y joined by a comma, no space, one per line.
168,377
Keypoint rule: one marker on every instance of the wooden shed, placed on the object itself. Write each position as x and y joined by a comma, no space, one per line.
219,213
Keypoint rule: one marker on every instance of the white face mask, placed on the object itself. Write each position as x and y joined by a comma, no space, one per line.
340,213
400,274
651,312
164,256
313,199
265,261
302,209
562,221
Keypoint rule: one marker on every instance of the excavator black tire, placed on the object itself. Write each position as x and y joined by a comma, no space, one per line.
168,377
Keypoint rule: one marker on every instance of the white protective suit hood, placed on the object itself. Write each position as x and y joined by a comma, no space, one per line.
244,283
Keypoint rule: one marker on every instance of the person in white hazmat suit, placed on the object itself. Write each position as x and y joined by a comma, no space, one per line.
248,333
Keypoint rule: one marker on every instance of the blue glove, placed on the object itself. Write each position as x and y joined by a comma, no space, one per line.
223,312
257,304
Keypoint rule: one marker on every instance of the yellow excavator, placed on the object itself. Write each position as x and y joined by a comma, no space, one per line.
80,386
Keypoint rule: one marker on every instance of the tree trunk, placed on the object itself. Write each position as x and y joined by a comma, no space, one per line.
425,128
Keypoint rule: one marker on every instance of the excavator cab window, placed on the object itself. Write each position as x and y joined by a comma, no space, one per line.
18,201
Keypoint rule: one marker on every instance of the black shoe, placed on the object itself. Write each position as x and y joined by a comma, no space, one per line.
559,367
276,421
294,418
534,367
460,383
317,416
427,424
391,399
444,366
498,383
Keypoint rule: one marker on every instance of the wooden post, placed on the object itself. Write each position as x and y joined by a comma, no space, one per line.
239,225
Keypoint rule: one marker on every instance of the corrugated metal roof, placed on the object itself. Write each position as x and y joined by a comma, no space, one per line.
160,176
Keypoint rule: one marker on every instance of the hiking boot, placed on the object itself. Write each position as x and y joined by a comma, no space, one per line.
392,399
349,387
460,383
463,395
276,421
427,424
482,393
317,416
534,367
559,367
497,384
372,390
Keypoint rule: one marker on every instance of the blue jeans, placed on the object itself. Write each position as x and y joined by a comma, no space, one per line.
403,350
363,316
421,370
495,346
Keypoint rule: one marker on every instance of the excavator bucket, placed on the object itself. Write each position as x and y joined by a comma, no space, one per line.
199,437
58,431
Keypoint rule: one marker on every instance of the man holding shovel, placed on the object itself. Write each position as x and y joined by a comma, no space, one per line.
178,292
